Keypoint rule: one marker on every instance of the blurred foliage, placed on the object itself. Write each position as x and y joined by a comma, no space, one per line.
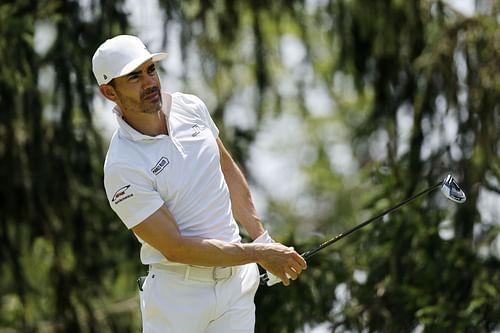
391,95
62,260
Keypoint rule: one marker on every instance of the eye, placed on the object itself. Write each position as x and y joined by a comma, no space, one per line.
152,69
133,78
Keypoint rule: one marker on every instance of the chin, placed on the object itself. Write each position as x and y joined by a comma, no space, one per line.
153,108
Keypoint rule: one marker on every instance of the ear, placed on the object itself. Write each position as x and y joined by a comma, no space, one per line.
108,91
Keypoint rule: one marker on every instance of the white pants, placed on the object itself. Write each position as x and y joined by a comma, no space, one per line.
171,303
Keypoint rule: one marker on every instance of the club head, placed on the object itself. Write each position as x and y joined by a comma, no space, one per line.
452,191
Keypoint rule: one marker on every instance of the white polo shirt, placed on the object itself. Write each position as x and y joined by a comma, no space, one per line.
181,171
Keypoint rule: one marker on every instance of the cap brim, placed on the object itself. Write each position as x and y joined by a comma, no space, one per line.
128,68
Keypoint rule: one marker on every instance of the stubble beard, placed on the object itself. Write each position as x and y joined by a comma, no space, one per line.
141,106
150,107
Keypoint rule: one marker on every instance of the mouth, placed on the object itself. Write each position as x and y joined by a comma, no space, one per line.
152,97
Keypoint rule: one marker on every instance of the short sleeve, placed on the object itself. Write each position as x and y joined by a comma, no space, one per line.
131,193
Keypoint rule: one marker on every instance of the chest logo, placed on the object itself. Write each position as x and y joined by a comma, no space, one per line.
197,129
160,165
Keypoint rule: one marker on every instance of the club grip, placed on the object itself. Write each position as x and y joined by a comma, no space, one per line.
264,278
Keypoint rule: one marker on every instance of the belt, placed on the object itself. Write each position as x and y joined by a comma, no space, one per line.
198,273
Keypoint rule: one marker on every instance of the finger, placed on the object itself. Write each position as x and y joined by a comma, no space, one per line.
292,273
296,267
285,279
298,264
302,262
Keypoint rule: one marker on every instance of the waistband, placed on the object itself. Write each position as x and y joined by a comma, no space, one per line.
197,273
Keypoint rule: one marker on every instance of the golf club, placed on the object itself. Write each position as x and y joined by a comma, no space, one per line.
448,186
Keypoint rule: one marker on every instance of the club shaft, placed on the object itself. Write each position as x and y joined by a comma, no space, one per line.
329,242
310,253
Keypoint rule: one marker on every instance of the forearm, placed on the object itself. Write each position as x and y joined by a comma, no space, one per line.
161,232
283,262
212,252
242,203
241,199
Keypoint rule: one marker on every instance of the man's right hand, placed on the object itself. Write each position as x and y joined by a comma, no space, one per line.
282,261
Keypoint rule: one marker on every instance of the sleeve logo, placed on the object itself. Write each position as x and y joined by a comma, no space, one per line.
121,194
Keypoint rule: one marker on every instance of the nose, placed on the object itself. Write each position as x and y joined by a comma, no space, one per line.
149,81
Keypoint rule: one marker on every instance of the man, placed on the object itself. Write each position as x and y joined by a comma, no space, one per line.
170,179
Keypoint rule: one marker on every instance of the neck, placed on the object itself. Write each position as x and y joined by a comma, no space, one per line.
151,124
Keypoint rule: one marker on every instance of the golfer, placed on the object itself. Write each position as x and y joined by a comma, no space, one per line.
171,181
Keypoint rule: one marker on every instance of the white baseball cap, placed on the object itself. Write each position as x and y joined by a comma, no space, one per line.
119,56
